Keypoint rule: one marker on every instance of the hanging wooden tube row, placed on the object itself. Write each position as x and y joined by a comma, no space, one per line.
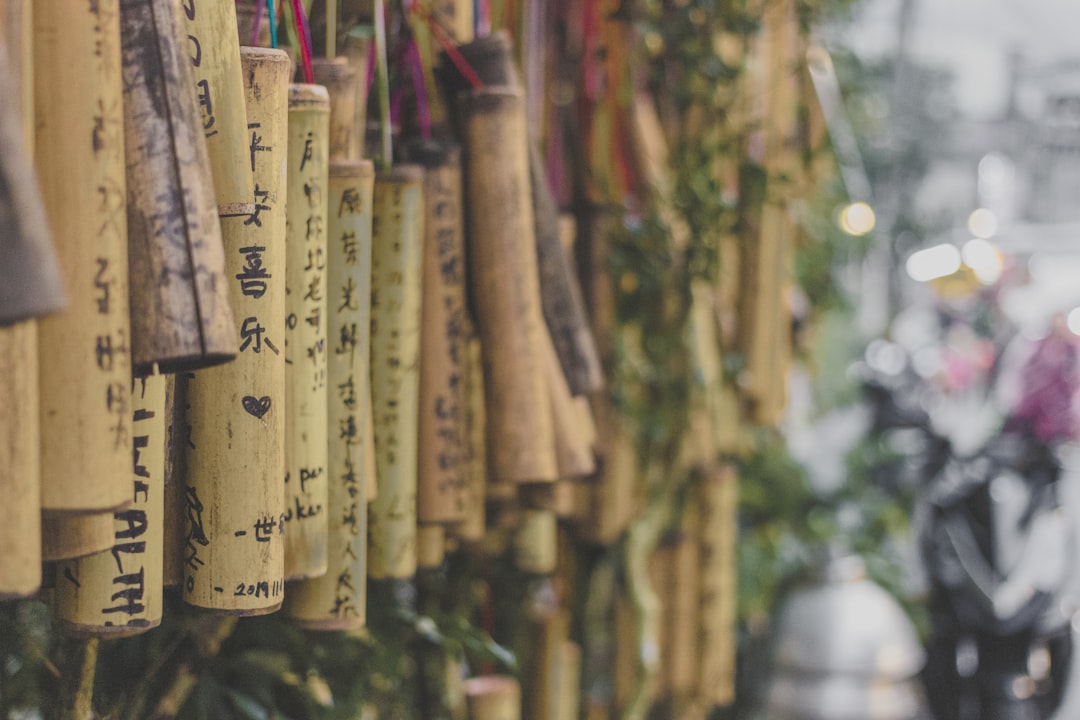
176,262
120,591
234,557
305,332
397,247
85,370
336,601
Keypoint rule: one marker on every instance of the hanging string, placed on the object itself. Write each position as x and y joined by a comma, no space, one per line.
448,45
257,25
303,34
273,23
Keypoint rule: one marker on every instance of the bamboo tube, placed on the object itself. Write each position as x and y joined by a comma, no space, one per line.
355,51
573,448
681,613
502,263
20,476
548,628
471,529
245,26
119,592
85,367
369,449
441,427
536,542
72,535
614,498
397,249
305,333
211,30
716,608
177,442
337,599
493,697
430,546
661,573
456,17
343,84
234,549
568,682
175,257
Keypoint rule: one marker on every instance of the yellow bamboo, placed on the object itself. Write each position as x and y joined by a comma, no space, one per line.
397,249
119,592
177,437
716,608
72,535
234,549
456,17
573,446
493,697
355,52
536,542
343,84
85,370
337,599
430,546
681,616
471,529
568,682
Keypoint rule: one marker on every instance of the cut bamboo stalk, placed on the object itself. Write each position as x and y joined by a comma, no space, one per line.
573,446
305,333
343,84
85,370
20,465
472,528
536,542
442,431
397,249
72,535
716,609
119,592
234,502
177,439
175,257
502,264
430,547
336,601
211,34
493,697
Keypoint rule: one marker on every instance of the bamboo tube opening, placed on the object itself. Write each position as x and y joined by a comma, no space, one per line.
493,697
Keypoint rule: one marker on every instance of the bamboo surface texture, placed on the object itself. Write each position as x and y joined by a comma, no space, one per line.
472,528
342,83
120,592
337,599
176,262
716,609
210,31
177,440
85,371
234,503
397,248
72,535
493,697
570,419
536,542
305,332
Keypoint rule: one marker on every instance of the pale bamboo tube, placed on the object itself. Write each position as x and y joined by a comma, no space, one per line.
502,264
355,52
175,258
536,542
343,84
681,615
397,249
85,370
369,449
234,551
211,34
119,592
20,477
177,438
456,18
472,528
305,333
716,608
72,535
441,465
336,601
548,628
430,546
568,681
493,697
573,447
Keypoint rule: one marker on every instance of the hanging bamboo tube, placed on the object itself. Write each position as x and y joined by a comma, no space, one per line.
119,592
72,535
441,472
396,263
305,332
493,697
573,446
472,528
430,547
536,542
85,370
211,33
336,601
716,609
502,264
177,441
343,84
234,501
369,448
681,612
175,257
568,682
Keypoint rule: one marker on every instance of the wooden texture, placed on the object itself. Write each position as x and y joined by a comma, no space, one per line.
234,503
716,609
210,31
177,442
119,592
85,370
493,697
337,599
343,84
472,528
397,250
175,258
505,285
305,332
72,535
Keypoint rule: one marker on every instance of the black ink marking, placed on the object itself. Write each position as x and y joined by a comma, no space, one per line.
256,406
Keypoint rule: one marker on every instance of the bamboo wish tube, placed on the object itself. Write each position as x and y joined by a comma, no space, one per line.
342,83
397,248
84,361
336,601
71,535
305,332
211,35
175,258
493,697
119,591
503,272
234,550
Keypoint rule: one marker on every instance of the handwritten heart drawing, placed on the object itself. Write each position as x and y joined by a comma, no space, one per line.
256,406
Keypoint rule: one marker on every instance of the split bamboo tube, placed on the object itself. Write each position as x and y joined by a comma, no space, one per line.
305,332
20,477
493,697
336,601
72,535
177,437
182,318
234,552
716,609
85,370
472,528
211,35
396,262
441,472
502,265
119,592
342,83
